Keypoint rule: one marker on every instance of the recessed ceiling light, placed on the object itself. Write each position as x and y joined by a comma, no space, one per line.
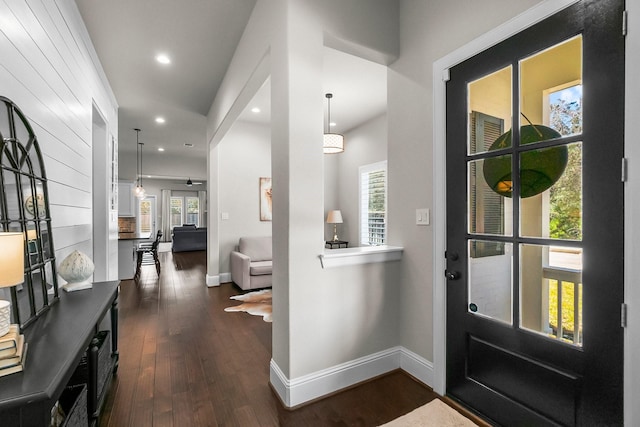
255,110
332,124
160,149
188,144
163,59
160,120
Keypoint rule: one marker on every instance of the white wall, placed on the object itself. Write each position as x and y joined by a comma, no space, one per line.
428,31
50,70
364,145
245,157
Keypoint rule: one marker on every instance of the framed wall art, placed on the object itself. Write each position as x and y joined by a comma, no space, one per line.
265,199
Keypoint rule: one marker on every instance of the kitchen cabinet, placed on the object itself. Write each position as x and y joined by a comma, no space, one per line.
126,200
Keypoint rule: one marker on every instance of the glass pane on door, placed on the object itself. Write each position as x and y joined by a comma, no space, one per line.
490,280
490,212
551,291
490,96
554,213
551,91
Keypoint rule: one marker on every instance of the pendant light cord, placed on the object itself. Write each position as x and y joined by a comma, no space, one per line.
329,96
138,158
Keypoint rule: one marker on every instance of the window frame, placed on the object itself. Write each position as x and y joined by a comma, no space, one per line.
363,210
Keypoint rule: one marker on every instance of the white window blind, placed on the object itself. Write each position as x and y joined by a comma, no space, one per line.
373,204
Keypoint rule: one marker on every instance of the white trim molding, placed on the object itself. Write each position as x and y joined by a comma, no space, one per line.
416,366
440,68
359,255
313,386
212,281
225,277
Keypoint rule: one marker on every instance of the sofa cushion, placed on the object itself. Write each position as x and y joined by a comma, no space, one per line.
184,228
256,248
260,268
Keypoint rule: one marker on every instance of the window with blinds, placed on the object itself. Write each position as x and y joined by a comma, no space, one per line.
486,206
373,204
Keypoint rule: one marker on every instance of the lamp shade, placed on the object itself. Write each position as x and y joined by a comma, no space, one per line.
333,143
334,217
11,259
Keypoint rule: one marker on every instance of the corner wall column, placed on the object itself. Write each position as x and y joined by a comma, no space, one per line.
298,182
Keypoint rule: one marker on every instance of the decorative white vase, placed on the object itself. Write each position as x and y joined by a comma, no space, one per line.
76,269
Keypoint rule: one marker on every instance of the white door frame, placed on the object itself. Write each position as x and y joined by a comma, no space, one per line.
440,76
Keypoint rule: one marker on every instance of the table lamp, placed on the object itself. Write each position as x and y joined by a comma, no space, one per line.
11,271
334,217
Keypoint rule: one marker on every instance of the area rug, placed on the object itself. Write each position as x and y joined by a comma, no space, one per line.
434,414
257,303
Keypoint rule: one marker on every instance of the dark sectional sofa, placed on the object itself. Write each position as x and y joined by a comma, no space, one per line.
189,238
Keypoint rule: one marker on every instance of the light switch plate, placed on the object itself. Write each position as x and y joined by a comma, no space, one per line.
422,216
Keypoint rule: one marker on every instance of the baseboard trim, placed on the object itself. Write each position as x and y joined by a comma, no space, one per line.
225,277
212,281
416,366
313,386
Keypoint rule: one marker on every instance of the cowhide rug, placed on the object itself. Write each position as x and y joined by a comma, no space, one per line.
257,303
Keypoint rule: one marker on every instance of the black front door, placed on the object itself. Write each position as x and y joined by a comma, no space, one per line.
535,223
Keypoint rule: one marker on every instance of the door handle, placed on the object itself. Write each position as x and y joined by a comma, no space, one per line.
451,275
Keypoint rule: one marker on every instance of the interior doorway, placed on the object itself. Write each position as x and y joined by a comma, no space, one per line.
104,199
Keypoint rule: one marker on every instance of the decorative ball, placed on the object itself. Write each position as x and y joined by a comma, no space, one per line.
75,269
539,169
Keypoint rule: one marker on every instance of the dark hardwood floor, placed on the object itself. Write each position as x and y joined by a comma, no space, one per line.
186,362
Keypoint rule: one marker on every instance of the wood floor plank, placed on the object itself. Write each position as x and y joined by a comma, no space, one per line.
185,362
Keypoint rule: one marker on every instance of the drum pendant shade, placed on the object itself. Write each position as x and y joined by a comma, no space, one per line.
539,169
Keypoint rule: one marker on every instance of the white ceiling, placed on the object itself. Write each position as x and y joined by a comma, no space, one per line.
200,36
359,89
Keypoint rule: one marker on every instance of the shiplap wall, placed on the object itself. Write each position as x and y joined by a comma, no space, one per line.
48,67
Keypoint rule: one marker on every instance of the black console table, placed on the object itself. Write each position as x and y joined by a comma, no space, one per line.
57,340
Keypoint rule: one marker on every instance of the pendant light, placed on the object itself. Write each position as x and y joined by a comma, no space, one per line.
332,142
140,191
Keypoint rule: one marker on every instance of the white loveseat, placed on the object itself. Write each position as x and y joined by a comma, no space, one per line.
251,264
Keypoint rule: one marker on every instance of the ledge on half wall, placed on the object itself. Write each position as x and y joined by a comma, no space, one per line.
360,255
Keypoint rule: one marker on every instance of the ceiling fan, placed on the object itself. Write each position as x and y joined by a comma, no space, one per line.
189,183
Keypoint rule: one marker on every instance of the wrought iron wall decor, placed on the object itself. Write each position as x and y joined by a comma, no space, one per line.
24,207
